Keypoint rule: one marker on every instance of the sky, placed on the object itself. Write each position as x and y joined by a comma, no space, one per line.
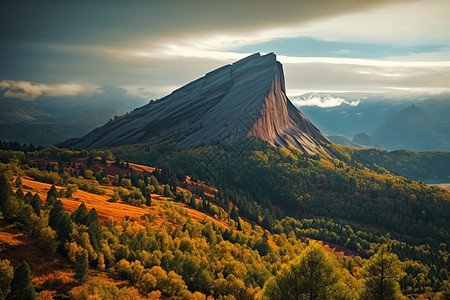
69,48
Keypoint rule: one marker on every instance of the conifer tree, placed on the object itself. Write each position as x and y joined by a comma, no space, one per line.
314,276
82,267
382,274
36,203
90,159
27,197
60,221
5,191
80,214
94,230
18,182
19,194
52,196
21,286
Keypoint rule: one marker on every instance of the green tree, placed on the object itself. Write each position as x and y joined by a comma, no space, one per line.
52,196
314,276
94,229
5,191
80,214
18,182
91,159
6,275
19,194
82,267
60,221
71,188
381,276
36,203
21,286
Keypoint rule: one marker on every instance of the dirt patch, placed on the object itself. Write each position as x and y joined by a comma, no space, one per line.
336,249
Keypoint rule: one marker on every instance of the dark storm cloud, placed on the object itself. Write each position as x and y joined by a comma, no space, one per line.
159,45
118,22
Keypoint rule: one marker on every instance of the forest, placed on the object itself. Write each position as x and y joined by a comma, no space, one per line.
270,233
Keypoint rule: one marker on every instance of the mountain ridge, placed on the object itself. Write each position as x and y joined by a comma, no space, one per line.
246,98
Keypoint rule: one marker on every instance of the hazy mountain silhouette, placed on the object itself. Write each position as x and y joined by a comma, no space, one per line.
408,129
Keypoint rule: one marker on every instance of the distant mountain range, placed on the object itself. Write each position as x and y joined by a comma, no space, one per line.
391,121
49,120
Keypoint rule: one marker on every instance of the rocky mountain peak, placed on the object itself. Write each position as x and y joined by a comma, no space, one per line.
246,98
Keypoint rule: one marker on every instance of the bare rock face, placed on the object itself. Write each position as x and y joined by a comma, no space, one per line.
246,98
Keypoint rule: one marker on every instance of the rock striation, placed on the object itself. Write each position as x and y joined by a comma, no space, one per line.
246,98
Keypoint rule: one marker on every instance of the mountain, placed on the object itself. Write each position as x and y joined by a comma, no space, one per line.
15,111
246,98
409,128
49,120
348,114
341,140
51,130
363,139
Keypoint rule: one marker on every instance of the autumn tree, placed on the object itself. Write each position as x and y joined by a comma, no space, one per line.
314,276
381,276
71,189
21,285
6,275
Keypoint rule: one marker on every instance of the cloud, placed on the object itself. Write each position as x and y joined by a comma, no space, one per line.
390,22
322,101
137,21
31,90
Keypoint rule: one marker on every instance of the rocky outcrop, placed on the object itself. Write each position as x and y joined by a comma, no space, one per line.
246,98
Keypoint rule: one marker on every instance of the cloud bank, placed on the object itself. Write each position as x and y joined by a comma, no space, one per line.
322,101
31,90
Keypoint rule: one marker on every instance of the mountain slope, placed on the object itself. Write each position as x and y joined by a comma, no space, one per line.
50,130
246,98
14,111
410,129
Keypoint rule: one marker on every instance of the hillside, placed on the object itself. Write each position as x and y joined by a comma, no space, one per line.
150,232
431,166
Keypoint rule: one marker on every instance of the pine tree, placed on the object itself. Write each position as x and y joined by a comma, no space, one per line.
27,197
60,221
94,230
5,191
36,203
18,182
21,286
19,193
314,276
91,159
80,214
381,275
148,197
82,267
234,214
52,196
